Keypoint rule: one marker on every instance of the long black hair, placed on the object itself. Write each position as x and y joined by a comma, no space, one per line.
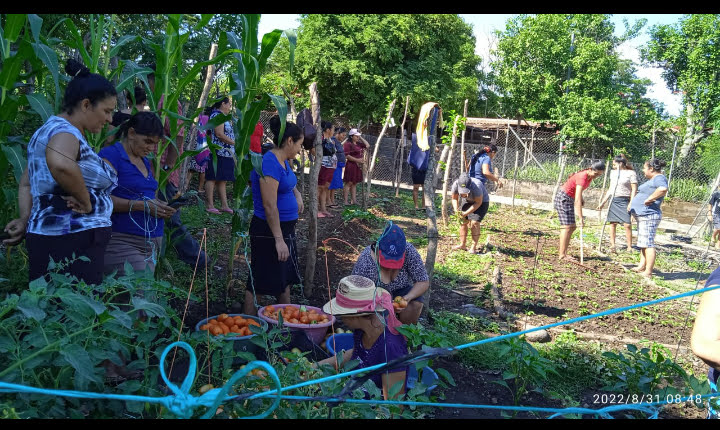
145,123
85,85
291,131
219,103
622,160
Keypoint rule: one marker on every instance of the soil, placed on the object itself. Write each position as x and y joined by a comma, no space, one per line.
535,286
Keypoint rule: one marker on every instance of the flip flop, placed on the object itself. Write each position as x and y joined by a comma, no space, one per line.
213,211
228,211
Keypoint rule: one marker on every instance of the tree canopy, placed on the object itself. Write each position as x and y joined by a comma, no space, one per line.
566,68
361,61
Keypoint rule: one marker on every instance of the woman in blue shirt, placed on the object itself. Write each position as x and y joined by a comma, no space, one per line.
645,206
481,165
274,263
137,219
64,193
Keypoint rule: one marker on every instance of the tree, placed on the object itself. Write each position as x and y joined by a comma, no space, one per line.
360,62
566,68
689,53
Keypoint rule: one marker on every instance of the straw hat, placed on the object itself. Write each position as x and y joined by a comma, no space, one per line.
356,297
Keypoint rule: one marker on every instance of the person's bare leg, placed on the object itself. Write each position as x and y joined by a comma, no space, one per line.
475,232
201,184
415,196
354,194
321,200
463,236
411,314
422,195
613,231
187,178
209,192
565,235
649,262
284,297
641,265
628,236
223,194
346,192
249,305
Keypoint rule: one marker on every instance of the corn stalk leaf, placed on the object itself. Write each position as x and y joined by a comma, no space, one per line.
15,156
40,105
14,23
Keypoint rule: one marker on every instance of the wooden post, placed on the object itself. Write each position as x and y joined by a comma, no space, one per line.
672,164
462,140
507,142
311,250
402,148
652,153
605,176
432,231
447,171
515,175
368,179
396,178
201,103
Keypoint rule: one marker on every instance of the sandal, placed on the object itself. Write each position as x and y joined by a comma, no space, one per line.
213,211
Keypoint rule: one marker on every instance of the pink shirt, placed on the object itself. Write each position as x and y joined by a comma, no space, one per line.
174,177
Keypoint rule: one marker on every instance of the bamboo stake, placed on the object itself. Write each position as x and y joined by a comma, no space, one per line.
605,176
582,255
672,164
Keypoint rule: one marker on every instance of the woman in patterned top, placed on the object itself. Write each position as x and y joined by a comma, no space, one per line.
64,194
400,268
220,168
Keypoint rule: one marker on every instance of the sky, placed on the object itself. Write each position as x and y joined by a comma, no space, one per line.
484,25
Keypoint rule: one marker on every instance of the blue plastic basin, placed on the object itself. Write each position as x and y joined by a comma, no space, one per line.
343,341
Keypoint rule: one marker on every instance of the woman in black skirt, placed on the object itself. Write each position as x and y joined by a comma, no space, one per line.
274,262
221,167
623,187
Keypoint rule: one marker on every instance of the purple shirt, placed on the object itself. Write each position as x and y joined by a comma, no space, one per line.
380,352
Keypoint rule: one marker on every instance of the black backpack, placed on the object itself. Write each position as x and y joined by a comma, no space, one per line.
305,122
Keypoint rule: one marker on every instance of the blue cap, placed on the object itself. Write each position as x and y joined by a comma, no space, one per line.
392,248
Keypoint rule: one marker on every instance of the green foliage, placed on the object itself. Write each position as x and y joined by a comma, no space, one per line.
651,371
362,61
688,190
600,97
524,368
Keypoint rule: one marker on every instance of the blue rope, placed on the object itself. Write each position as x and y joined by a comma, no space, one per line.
182,403
147,230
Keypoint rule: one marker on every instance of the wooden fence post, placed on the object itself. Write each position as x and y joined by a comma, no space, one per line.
402,148
368,179
447,172
462,140
432,231
193,130
311,250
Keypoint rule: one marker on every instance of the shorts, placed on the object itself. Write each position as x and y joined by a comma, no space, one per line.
565,207
716,221
325,176
401,292
418,176
647,227
479,214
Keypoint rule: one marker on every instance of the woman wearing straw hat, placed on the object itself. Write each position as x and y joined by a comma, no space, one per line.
367,311
396,266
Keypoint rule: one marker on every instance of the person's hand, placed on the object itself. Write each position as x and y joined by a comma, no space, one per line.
301,206
282,250
160,209
648,202
582,221
628,207
16,229
600,206
499,183
77,206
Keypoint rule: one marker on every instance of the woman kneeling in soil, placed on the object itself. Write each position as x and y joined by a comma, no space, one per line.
367,311
277,202
646,208
401,269
569,200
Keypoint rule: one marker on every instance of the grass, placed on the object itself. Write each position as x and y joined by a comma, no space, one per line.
464,267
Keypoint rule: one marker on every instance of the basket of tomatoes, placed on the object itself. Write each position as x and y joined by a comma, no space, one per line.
231,326
313,321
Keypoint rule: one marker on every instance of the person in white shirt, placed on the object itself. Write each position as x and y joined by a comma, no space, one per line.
623,187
